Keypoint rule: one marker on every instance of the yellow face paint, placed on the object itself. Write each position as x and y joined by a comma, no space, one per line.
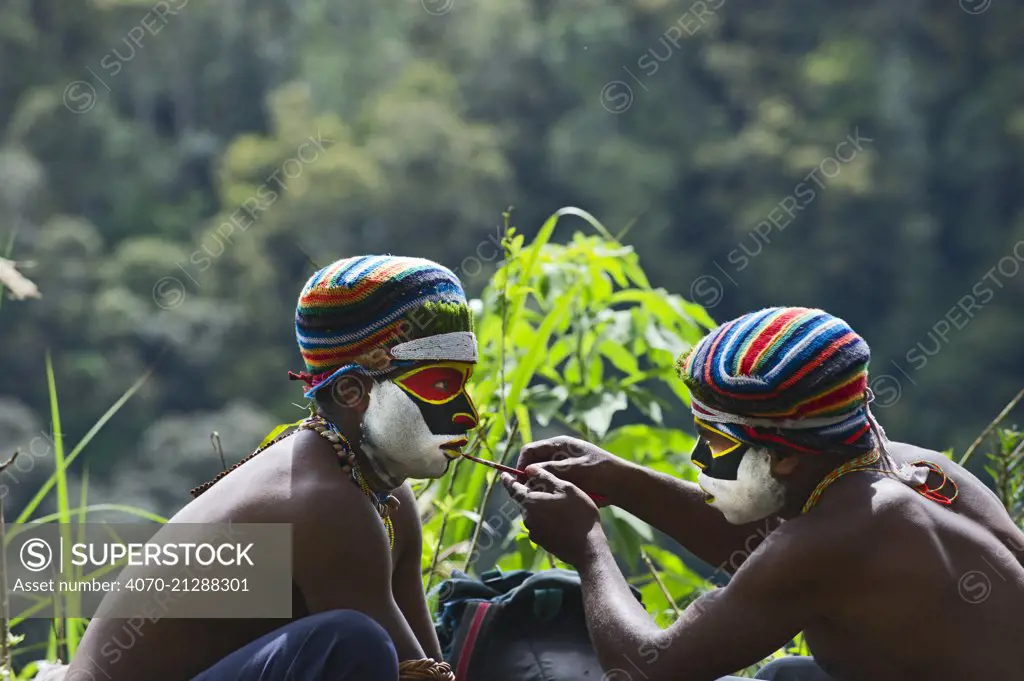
718,461
703,426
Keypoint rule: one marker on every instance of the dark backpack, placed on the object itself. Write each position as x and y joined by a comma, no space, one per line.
516,626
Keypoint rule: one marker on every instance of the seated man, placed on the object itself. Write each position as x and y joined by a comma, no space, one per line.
896,563
388,345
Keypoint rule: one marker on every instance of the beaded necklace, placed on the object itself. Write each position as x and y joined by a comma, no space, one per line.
867,462
383,503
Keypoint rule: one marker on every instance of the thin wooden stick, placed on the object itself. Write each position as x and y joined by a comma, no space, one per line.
487,495
215,439
1006,410
661,584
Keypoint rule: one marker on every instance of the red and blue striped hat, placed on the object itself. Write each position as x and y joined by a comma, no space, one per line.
783,376
373,313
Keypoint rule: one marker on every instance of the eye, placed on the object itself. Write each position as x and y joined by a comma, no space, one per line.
434,384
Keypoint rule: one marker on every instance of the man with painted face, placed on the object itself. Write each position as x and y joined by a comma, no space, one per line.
895,562
389,348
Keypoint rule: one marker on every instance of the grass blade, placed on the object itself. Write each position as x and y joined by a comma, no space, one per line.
51,481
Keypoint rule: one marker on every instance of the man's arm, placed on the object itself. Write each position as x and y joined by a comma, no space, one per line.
677,508
342,557
766,604
407,580
674,506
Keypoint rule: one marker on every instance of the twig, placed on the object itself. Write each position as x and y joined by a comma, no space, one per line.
440,532
661,584
311,261
215,440
631,224
487,494
988,429
504,329
6,464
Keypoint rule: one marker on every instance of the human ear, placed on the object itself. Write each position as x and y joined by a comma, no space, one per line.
352,392
783,464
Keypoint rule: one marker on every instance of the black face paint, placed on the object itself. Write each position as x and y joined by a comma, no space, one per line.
439,390
724,466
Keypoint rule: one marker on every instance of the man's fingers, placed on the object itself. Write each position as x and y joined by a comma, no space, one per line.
558,466
544,480
555,448
536,452
535,489
516,490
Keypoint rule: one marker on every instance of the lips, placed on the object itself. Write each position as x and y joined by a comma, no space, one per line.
452,447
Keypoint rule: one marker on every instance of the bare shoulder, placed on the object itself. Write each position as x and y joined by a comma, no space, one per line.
407,515
322,496
907,453
800,551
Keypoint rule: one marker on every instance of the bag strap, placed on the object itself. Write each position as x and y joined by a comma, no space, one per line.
474,619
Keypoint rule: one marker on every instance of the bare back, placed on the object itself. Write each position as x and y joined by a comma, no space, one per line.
928,591
341,559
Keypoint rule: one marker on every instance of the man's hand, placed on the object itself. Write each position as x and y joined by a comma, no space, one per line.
583,464
559,516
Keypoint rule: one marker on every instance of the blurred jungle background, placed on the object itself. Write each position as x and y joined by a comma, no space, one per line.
172,172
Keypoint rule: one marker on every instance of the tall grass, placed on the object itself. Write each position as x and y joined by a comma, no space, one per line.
65,632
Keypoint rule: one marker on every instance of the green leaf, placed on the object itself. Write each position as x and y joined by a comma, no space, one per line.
280,429
544,401
597,410
527,367
642,529
620,358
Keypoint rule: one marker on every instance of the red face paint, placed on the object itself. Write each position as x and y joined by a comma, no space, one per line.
439,390
435,384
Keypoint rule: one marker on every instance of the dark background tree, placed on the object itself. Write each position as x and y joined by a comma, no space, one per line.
140,145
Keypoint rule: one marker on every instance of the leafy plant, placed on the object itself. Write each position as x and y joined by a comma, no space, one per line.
1004,463
572,337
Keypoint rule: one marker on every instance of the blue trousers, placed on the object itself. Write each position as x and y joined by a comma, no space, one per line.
788,669
339,645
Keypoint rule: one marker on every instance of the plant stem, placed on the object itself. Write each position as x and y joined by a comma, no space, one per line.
988,429
440,532
487,496
1006,471
661,584
215,440
5,605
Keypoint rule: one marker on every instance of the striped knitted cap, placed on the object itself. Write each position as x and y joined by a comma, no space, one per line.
788,376
353,314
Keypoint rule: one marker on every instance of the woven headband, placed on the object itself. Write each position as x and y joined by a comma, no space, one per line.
459,346
706,413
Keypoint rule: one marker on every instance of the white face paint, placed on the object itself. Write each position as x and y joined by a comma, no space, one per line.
753,495
397,440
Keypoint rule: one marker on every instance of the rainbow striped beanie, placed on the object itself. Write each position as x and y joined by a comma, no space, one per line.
373,313
790,376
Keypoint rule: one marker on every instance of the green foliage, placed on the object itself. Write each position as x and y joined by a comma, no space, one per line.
1004,465
65,632
571,337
